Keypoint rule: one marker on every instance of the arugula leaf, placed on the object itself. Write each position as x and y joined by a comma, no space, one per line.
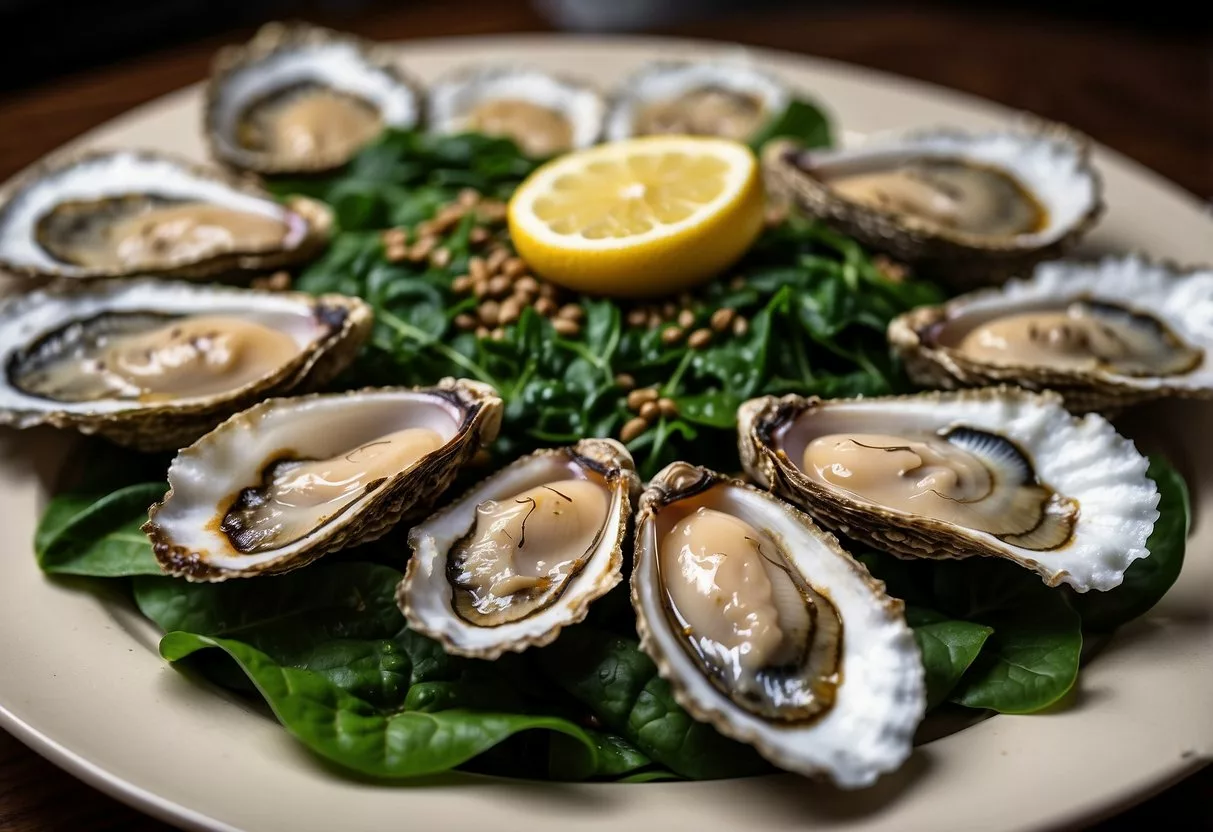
355,734
801,121
619,683
948,648
1146,580
98,534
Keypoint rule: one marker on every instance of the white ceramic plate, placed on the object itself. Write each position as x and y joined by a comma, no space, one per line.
80,680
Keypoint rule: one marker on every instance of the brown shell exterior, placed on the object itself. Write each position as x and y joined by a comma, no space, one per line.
317,215
171,426
411,493
610,459
907,537
958,263
673,484
282,37
931,365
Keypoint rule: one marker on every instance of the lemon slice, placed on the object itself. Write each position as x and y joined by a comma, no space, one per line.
646,216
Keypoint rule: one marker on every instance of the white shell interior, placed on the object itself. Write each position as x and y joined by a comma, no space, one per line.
1051,167
339,65
27,318
205,477
663,80
429,594
870,728
1083,458
451,99
111,175
1181,300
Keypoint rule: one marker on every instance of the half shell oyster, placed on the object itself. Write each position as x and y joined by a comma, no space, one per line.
521,556
998,472
112,214
769,631
301,99
154,365
968,208
702,98
288,480
543,113
1105,335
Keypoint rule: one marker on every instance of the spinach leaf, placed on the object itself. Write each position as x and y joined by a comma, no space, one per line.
338,620
616,756
355,734
801,121
1146,580
619,683
948,648
1031,659
98,534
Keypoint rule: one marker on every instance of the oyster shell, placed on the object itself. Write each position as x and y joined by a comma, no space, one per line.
1104,334
288,480
998,472
968,208
302,99
543,113
468,585
154,365
769,631
730,100
112,214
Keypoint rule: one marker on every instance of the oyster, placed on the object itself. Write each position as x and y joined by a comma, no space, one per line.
522,554
301,99
730,100
288,480
769,631
543,113
111,214
998,471
1105,334
969,208
155,365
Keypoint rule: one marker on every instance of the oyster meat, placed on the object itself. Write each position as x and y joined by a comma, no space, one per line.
288,480
998,471
521,556
769,631
302,99
970,209
131,212
1104,334
544,114
155,365
704,98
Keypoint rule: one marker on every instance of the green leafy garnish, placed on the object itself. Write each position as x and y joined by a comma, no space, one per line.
1146,580
801,121
98,533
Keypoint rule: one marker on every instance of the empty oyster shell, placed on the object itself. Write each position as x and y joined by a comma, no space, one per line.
769,631
703,98
112,214
301,99
543,113
521,556
288,480
968,208
1105,335
998,472
154,365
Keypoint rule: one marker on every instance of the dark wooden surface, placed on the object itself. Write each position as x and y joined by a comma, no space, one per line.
1148,95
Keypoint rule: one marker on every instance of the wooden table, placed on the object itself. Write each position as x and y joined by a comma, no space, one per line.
1149,96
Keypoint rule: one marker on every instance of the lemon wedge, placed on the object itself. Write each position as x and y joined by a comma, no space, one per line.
641,217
